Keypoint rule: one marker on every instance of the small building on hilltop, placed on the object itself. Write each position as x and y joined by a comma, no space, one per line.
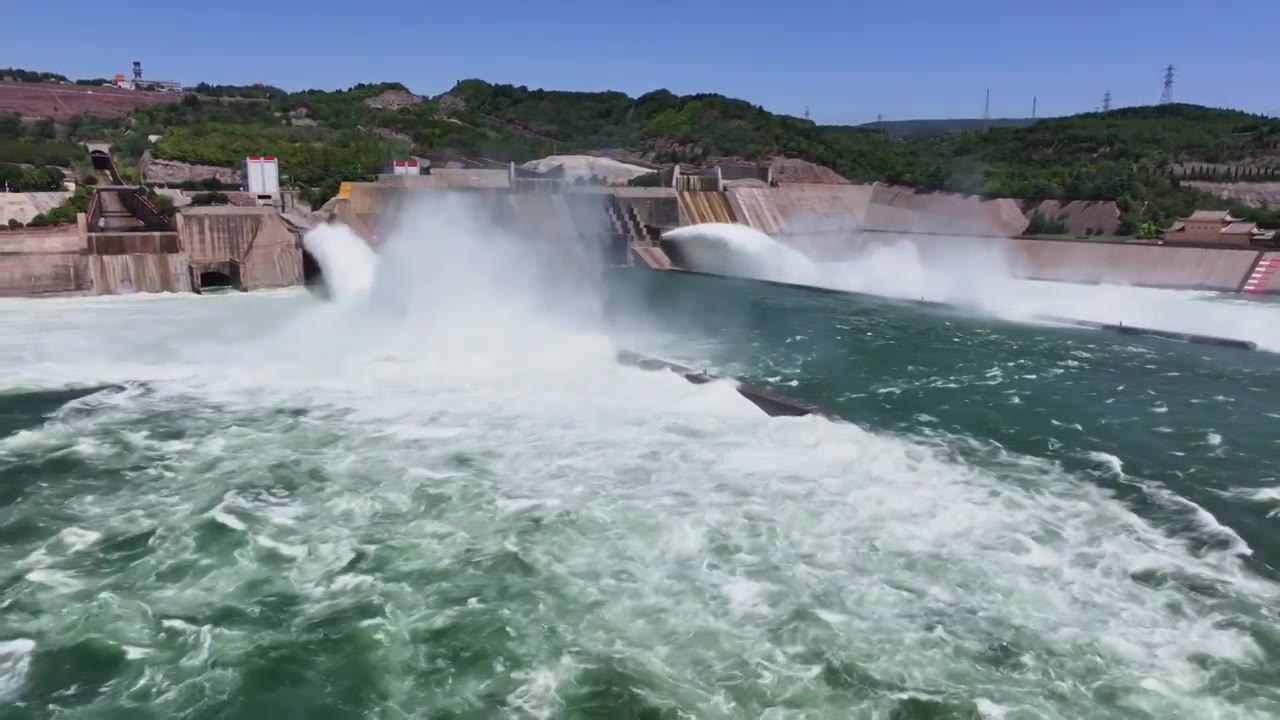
1216,227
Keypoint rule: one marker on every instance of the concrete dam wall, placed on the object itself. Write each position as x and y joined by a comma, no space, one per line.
705,207
252,246
44,274
243,248
152,273
826,222
43,261
835,222
1133,264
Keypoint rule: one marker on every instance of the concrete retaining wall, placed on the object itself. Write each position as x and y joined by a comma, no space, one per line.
1131,264
1081,261
60,239
946,213
22,275
653,206
267,252
133,243
25,206
271,267
115,274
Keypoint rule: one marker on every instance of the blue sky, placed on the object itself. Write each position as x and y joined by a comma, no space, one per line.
847,61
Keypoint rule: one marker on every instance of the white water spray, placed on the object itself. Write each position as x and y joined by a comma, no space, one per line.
742,251
346,261
974,274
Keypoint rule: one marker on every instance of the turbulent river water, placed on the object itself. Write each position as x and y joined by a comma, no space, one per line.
266,505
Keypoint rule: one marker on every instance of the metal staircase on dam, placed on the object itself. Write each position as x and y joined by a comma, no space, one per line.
119,209
113,216
626,222
639,240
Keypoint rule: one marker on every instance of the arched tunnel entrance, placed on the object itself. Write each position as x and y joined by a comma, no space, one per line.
215,277
215,280
104,168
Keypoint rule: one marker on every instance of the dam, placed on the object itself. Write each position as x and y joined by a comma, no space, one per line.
830,223
122,244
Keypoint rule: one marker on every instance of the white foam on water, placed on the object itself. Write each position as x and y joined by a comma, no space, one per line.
15,661
976,276
459,417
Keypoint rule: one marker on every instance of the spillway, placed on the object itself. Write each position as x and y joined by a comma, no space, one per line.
450,498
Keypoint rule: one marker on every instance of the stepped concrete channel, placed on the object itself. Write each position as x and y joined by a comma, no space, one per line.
123,245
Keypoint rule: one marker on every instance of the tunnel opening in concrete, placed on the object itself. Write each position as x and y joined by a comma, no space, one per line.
213,280
313,274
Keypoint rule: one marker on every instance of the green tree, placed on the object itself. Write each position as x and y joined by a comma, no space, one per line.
210,198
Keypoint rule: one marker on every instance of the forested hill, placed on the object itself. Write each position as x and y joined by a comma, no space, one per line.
323,137
925,128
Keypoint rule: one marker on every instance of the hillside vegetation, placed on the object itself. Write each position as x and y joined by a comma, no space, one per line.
324,137
918,129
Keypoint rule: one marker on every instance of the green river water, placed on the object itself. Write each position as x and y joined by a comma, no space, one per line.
264,506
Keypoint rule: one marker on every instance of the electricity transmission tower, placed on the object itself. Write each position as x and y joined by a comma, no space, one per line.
1106,102
1166,96
986,108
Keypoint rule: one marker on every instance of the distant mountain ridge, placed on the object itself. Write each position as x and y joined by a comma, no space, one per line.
930,127
325,137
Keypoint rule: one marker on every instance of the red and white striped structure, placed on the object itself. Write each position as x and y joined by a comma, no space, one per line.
403,167
262,175
1260,279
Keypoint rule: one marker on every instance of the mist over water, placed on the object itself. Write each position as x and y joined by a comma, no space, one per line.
440,495
975,276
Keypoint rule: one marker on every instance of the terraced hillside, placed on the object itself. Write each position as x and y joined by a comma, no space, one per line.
325,137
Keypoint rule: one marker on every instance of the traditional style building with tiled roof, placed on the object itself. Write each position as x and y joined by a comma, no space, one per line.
1216,227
